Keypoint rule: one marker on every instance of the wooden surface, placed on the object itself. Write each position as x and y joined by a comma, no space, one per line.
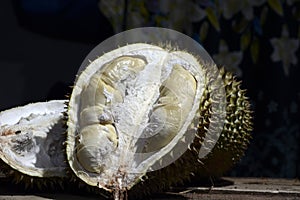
227,188
247,188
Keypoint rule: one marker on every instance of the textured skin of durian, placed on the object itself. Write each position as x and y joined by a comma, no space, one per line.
235,136
30,182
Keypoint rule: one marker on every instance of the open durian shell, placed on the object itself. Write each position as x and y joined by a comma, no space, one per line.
31,142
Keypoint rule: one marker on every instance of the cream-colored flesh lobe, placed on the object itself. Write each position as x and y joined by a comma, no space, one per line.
98,136
176,98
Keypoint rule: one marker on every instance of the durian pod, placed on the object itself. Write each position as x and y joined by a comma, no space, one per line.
31,143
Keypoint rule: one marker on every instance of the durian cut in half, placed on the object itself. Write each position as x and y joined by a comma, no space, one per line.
135,110
31,140
148,108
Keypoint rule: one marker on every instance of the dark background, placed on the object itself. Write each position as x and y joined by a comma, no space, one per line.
43,44
41,51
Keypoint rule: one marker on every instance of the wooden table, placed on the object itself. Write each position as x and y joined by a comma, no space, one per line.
233,189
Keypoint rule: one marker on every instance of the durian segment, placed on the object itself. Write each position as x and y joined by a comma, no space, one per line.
171,109
132,89
95,143
97,136
98,93
31,139
121,69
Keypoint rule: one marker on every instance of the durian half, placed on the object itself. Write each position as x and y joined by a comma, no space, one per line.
31,142
129,109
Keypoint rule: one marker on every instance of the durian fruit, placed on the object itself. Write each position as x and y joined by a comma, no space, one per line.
31,143
141,118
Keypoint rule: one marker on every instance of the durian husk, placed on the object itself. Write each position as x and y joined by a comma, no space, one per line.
39,178
236,134
228,150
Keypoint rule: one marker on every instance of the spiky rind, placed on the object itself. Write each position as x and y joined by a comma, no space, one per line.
235,136
30,182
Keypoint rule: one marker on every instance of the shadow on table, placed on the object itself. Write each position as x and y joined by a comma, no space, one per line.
9,191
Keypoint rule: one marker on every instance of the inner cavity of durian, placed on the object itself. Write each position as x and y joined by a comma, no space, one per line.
129,105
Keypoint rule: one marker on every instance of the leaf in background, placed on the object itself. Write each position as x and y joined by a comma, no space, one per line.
245,40
263,15
212,17
276,6
240,24
254,49
229,8
203,30
113,11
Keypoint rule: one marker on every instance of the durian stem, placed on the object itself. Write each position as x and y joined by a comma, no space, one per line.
116,195
120,194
